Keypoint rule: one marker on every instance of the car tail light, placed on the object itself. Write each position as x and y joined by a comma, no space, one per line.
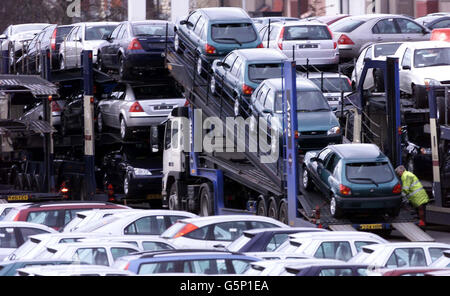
136,107
186,103
185,230
345,190
335,45
53,39
280,41
345,40
247,90
349,82
397,189
135,44
16,218
210,49
55,107
260,45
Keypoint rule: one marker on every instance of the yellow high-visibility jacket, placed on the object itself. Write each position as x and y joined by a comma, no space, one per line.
413,189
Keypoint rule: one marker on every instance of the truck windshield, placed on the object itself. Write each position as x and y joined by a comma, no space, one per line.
233,33
432,57
369,172
260,72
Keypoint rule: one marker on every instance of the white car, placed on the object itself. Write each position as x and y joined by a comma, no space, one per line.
374,52
6,207
277,267
37,244
214,232
278,255
144,222
143,242
394,255
94,253
83,36
72,270
14,234
303,41
421,64
443,261
340,245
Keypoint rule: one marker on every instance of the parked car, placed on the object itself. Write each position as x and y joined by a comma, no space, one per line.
354,33
434,21
265,239
38,243
135,171
93,253
72,114
190,261
55,214
6,207
334,86
145,222
404,271
135,47
214,231
421,64
83,36
71,270
260,22
212,33
138,106
317,124
15,35
241,71
443,261
339,245
143,242
9,268
329,269
329,19
278,255
395,255
306,43
375,52
35,111
277,267
14,234
355,177
440,273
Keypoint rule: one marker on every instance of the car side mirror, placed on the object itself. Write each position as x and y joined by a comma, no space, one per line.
106,37
225,66
267,111
425,31
183,22
219,64
406,67
3,36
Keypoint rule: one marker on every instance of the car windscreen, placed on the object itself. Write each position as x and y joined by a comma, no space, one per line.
431,57
332,85
369,172
152,30
346,25
385,49
309,32
97,32
233,33
311,101
30,27
260,72
154,92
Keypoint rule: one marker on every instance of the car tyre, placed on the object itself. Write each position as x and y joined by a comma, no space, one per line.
100,66
306,180
261,207
62,63
283,215
124,131
174,204
123,72
335,211
206,200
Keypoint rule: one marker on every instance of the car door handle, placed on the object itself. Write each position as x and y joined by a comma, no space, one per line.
219,246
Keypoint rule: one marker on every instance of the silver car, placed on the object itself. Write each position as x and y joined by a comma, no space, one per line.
357,32
303,41
83,36
36,112
137,106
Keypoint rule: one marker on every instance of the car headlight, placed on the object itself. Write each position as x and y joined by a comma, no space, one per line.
431,82
142,172
334,131
425,151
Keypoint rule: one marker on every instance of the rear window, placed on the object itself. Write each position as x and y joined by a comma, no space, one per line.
333,84
306,33
173,230
49,218
97,32
385,49
153,92
346,25
233,33
369,172
152,30
260,72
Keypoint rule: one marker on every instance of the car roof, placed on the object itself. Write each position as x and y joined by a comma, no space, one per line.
131,237
302,84
148,22
331,234
225,13
42,236
72,203
337,263
326,75
96,23
71,269
277,229
95,244
35,260
375,247
304,22
261,54
374,16
201,221
358,151
267,263
427,44
25,224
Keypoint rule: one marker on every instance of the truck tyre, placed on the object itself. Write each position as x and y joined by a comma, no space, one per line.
273,209
283,215
335,211
173,197
206,200
306,180
261,208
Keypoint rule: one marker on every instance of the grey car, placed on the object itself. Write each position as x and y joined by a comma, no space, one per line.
36,112
137,106
357,32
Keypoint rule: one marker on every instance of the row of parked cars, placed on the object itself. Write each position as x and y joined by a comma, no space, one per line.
93,238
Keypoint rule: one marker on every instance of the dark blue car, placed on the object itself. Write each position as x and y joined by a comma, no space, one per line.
135,47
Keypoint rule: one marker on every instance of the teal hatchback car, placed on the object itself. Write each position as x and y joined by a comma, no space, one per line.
212,33
356,178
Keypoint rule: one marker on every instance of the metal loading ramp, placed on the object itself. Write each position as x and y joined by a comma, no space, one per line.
412,232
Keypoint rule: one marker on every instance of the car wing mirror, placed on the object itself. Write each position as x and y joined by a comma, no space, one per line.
3,36
106,37
219,64
226,66
407,67
267,111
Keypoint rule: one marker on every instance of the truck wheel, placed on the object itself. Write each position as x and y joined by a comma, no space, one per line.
335,211
306,180
173,197
273,209
261,208
283,215
206,200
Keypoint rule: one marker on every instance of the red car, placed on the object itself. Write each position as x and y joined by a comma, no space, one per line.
55,214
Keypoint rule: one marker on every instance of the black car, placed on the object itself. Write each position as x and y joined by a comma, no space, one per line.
435,21
267,239
72,115
135,171
136,47
50,38
321,269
